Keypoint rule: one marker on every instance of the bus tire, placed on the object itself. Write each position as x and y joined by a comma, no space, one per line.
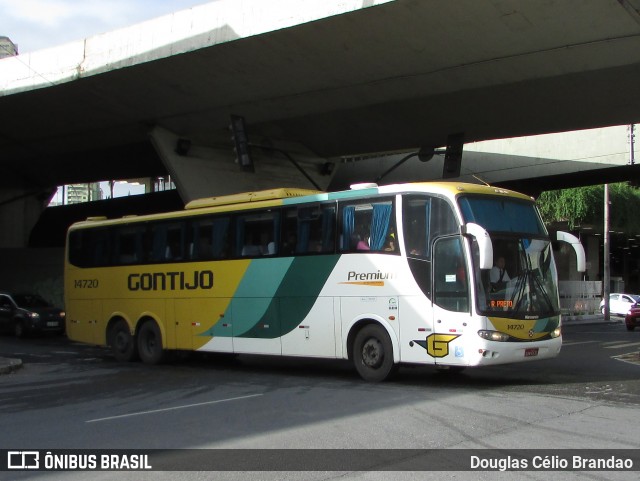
122,343
373,354
150,343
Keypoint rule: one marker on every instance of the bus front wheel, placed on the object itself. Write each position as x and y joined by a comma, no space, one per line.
150,343
373,354
122,343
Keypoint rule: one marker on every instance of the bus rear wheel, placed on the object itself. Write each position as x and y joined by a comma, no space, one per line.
122,343
373,354
150,343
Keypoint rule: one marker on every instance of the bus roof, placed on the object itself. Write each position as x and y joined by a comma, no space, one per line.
245,197
287,195
457,188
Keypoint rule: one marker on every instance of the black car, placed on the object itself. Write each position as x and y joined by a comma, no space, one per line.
24,314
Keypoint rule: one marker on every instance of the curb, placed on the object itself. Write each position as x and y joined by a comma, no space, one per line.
8,365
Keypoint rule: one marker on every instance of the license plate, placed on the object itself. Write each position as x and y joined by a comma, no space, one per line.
531,352
52,324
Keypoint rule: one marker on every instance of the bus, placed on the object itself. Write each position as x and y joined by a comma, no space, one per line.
378,275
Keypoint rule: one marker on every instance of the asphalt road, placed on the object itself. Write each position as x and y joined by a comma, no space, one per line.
72,396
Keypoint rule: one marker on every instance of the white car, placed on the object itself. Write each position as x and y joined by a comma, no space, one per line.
620,304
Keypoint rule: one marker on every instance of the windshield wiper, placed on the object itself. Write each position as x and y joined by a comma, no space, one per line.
536,288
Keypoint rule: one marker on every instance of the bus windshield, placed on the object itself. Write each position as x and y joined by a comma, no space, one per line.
522,284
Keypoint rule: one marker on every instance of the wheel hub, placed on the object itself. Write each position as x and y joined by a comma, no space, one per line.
372,353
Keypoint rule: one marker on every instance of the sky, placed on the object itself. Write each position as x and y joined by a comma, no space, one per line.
38,24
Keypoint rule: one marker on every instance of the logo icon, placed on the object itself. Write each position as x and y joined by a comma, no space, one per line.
437,345
23,460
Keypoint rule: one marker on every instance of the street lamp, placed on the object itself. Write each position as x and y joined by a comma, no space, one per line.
607,264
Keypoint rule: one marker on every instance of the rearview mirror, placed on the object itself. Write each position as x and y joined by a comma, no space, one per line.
485,247
577,247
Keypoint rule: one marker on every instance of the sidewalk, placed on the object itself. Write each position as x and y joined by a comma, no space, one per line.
8,365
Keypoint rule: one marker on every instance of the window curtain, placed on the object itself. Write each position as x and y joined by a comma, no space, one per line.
328,221
304,230
348,226
379,226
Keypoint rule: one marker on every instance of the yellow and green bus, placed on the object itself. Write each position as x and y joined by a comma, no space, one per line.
380,275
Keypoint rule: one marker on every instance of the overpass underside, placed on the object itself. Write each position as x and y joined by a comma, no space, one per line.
320,83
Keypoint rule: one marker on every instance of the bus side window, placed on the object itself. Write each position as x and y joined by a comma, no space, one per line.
311,229
257,234
289,240
425,219
128,245
175,242
89,247
451,290
200,240
167,242
367,226
220,237
209,238
325,229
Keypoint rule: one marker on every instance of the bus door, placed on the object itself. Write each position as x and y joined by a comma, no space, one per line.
451,304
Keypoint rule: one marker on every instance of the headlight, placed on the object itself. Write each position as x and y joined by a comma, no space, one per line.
494,336
33,315
62,314
557,332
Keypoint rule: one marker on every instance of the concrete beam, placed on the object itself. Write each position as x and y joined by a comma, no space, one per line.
205,171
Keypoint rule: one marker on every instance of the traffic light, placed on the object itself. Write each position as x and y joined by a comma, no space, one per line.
241,143
453,156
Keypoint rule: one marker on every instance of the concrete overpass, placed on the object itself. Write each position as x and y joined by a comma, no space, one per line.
322,80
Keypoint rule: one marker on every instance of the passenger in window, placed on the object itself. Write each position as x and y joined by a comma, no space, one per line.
415,251
267,248
270,249
289,245
390,245
362,245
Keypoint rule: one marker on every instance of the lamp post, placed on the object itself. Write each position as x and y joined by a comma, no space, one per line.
607,266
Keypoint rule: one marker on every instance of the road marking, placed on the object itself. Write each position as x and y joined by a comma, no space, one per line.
141,413
631,358
575,343
620,346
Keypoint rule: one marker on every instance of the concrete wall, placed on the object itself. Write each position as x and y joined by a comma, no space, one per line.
608,145
19,212
34,270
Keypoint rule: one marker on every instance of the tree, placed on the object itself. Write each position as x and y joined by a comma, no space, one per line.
585,206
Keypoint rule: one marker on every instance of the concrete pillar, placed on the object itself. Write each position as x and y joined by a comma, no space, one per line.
19,212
